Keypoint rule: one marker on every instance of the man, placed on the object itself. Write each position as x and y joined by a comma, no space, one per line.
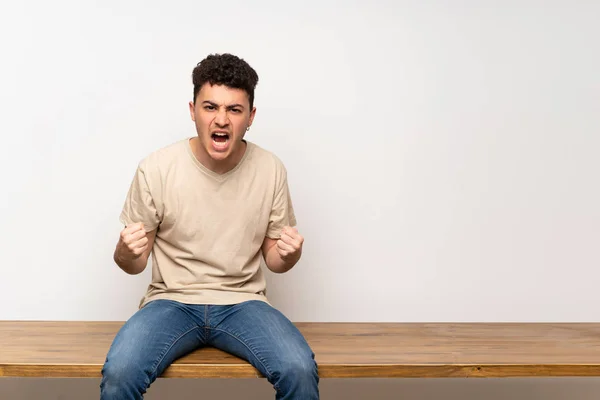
210,209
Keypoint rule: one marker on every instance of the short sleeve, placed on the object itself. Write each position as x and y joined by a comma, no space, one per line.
282,211
140,204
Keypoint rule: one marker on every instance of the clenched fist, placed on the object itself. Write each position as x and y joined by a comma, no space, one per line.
133,241
289,245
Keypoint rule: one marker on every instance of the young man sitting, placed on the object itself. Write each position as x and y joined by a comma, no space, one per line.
209,209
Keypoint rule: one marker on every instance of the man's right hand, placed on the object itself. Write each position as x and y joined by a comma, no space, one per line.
133,248
133,241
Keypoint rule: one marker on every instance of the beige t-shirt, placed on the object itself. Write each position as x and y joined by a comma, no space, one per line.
210,227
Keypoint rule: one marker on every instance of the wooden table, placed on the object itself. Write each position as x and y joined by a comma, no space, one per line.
343,350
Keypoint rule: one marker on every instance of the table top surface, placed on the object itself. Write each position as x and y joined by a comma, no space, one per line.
78,349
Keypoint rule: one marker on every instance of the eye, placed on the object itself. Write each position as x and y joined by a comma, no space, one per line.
207,107
236,110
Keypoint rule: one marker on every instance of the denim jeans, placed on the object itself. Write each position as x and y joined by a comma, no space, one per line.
164,330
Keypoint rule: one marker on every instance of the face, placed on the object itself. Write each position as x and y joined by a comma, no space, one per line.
222,115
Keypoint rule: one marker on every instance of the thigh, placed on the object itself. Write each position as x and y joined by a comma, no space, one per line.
153,338
262,335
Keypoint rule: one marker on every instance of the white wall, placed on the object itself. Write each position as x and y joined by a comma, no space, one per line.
442,155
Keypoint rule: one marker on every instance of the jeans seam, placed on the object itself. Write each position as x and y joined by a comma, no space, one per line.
162,355
206,326
260,360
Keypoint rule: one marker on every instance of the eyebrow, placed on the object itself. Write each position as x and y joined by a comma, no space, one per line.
229,106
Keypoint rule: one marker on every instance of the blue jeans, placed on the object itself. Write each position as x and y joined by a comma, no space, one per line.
164,330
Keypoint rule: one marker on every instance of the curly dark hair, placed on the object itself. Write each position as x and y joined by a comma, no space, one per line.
225,69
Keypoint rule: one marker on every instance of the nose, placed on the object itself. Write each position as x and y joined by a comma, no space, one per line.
221,118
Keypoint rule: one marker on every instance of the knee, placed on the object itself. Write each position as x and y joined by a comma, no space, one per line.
299,369
297,378
123,378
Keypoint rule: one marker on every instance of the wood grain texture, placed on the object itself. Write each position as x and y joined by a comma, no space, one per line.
343,350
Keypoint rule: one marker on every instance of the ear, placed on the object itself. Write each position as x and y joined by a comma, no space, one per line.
252,114
192,111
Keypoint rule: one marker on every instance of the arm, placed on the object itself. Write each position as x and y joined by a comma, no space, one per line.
133,248
141,217
282,254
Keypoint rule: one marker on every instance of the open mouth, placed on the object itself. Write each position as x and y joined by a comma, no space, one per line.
220,137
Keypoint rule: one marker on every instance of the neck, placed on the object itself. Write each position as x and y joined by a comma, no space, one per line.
218,167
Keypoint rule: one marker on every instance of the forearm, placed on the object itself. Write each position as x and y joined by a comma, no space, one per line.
132,266
278,264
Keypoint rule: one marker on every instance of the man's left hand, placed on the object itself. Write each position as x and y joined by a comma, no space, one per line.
289,245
